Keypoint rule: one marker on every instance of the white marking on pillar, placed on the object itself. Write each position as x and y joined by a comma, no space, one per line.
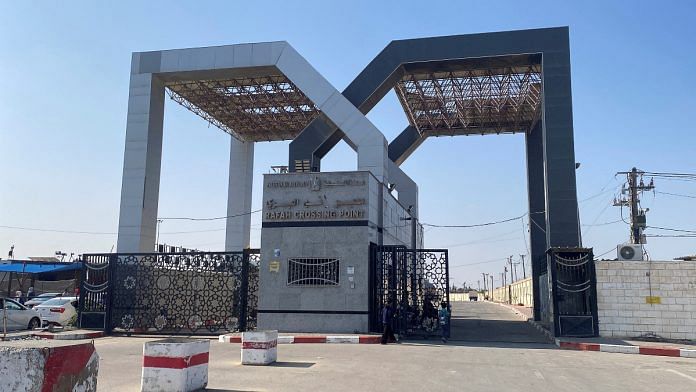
241,181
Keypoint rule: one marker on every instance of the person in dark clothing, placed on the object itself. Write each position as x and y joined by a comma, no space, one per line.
387,316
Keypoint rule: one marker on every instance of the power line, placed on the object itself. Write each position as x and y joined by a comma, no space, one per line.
482,224
669,229
604,224
613,248
475,225
480,262
484,239
58,230
671,235
215,218
676,194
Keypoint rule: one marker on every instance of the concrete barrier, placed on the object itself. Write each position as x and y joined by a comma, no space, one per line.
48,366
175,365
259,348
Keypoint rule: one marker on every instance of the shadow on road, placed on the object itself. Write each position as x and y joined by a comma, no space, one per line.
293,364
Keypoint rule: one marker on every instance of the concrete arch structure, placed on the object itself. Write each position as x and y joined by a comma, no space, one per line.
550,153
152,72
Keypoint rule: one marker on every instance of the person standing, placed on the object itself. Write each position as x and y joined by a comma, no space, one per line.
387,316
30,293
443,316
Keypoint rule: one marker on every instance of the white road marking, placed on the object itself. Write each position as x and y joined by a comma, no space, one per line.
539,375
681,374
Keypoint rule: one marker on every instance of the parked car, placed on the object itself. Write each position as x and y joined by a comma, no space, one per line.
40,299
18,316
58,311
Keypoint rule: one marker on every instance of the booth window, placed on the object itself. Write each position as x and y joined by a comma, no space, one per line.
313,271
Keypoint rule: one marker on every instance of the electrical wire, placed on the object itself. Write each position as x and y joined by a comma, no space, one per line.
603,224
211,219
480,262
671,235
57,230
614,248
483,224
670,229
676,194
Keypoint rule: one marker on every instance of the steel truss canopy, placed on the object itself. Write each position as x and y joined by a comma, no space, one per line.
471,96
250,108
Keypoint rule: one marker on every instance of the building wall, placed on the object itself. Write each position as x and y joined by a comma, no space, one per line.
395,228
623,289
341,308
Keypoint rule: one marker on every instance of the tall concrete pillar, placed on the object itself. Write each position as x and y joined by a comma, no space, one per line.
562,221
239,195
137,223
537,210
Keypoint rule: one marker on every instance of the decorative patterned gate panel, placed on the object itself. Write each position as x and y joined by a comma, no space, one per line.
94,291
574,292
413,283
181,293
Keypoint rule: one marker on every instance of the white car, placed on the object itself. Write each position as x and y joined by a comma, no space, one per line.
18,316
58,311
39,299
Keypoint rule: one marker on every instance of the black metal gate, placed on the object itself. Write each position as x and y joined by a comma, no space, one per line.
413,283
170,293
573,292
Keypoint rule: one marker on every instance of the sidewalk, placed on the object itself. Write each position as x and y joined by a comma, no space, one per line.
628,346
611,345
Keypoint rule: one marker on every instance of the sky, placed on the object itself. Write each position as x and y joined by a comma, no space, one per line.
64,90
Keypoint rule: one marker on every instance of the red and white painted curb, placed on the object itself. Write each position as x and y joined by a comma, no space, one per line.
69,336
64,368
297,339
175,365
626,349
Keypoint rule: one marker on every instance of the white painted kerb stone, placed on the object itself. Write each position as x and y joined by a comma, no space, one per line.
259,348
175,365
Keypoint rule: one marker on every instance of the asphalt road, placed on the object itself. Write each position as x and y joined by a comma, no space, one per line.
415,367
489,322
496,356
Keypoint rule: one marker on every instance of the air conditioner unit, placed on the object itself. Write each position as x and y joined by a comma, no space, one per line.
629,252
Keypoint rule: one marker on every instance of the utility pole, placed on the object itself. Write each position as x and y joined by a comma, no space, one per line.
491,288
512,278
524,273
478,282
636,186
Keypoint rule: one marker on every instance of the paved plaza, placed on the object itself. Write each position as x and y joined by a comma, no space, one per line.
496,352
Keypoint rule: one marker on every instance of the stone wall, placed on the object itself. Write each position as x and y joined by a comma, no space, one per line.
520,291
625,291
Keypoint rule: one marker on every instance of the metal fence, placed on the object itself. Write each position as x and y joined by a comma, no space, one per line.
574,291
412,283
170,293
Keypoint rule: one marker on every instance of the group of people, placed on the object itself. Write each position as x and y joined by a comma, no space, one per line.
21,298
443,318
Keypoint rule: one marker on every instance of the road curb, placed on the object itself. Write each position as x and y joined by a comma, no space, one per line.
69,336
300,339
627,349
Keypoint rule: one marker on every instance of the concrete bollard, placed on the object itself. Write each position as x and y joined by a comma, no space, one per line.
175,365
259,347
48,366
